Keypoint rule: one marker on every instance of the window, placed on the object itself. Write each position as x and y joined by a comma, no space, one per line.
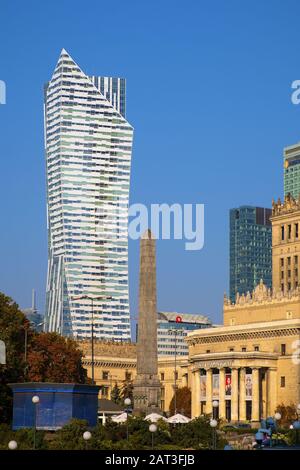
282,382
282,262
282,274
282,287
256,348
231,349
296,231
289,261
283,349
207,351
289,231
162,376
105,375
289,286
105,391
244,349
282,232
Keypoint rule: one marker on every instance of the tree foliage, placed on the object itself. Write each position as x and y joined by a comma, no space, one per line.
50,357
127,390
183,402
54,358
12,331
116,395
288,414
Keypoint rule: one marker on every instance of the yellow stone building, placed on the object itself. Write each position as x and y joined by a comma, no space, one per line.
116,363
252,364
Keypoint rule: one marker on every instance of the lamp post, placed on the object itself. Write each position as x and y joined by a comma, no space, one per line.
152,429
175,332
88,297
86,436
127,403
277,417
12,445
213,424
215,405
35,401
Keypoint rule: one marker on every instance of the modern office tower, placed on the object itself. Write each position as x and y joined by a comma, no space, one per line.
88,157
291,171
172,329
250,249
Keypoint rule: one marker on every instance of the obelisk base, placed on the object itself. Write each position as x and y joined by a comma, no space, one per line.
146,394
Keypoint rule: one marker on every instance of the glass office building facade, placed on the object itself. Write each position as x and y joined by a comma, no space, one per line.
250,249
88,144
172,328
291,170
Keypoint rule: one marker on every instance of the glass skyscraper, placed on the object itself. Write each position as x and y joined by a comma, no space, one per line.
250,249
291,156
88,144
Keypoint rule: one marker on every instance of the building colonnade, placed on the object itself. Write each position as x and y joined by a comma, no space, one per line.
242,393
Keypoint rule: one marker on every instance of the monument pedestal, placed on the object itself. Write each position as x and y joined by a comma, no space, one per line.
146,395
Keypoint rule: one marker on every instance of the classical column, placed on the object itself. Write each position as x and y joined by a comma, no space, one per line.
234,394
195,393
208,407
222,407
255,395
242,394
271,391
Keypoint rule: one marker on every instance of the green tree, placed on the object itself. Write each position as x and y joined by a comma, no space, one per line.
54,358
127,390
116,394
183,402
288,414
13,324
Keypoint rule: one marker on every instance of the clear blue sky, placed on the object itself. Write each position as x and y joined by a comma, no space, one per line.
208,92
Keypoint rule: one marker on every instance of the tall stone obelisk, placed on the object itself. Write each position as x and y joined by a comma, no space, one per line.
146,386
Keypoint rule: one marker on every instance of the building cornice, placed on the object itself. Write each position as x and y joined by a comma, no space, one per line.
271,329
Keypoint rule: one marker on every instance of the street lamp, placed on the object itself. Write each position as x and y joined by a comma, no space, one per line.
152,429
12,445
215,405
213,424
35,401
87,297
127,403
175,332
86,436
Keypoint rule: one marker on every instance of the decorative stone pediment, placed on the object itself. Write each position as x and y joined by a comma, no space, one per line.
289,204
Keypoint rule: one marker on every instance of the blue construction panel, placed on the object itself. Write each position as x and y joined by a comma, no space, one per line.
58,404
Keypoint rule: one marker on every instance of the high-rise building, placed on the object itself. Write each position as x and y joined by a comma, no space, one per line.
88,158
172,329
35,318
250,249
291,171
